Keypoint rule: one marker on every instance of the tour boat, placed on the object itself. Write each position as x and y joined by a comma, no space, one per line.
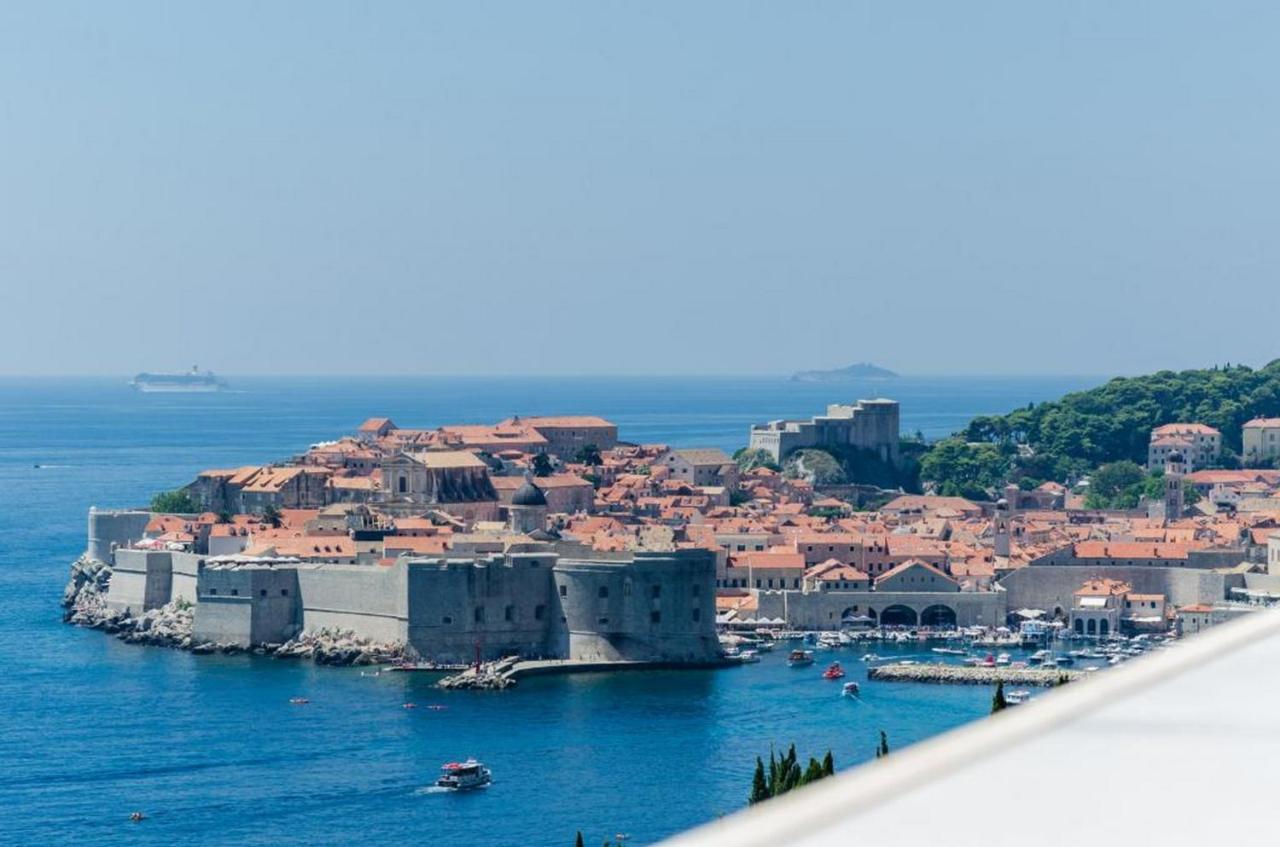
849,689
463,776
1016,698
833,671
800,657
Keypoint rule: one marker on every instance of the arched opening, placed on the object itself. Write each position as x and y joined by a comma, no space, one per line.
1059,614
1093,627
938,616
1079,626
898,615
852,617
1104,628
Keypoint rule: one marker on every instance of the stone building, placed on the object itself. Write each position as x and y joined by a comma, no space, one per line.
705,466
567,434
867,424
454,481
1261,440
1199,444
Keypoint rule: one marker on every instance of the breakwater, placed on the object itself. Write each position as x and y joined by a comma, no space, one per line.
936,672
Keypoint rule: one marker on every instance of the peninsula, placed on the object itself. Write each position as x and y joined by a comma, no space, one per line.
549,540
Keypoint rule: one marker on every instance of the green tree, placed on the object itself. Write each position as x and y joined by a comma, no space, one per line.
271,515
828,765
998,703
577,842
1116,485
542,465
759,788
589,454
962,469
178,502
883,749
749,459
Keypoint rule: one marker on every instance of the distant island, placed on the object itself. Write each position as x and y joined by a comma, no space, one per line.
862,370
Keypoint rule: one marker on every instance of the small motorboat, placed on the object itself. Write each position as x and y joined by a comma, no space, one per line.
950,651
464,776
833,671
299,701
410,706
748,657
136,817
1002,659
800,658
1016,698
850,689
989,661
870,657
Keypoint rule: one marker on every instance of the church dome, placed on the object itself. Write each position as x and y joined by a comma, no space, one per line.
528,495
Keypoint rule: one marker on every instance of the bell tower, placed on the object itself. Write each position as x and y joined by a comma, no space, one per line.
1173,497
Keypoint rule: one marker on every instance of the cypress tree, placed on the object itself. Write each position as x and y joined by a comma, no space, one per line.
773,784
578,841
998,703
813,773
759,790
828,765
883,749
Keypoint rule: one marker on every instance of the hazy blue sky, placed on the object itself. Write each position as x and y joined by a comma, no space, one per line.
640,187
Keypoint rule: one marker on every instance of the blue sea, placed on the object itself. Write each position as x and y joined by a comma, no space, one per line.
209,747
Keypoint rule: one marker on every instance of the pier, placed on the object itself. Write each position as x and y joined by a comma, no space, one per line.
936,672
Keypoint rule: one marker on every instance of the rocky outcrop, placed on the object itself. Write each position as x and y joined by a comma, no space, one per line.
489,676
85,602
341,647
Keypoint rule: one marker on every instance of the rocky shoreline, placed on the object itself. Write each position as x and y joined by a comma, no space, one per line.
84,602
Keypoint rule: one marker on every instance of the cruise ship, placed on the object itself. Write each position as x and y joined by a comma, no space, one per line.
194,380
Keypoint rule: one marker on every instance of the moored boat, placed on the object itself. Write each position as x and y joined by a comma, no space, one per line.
799,658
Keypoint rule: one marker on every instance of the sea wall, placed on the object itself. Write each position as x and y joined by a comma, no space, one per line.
1053,587
368,600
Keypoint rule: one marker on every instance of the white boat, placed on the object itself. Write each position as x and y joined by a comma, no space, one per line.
849,689
1016,698
748,657
1002,659
464,776
950,651
800,658
870,657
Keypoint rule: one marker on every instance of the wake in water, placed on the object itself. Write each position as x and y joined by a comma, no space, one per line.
436,789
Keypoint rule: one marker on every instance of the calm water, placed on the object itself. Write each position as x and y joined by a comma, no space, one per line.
209,747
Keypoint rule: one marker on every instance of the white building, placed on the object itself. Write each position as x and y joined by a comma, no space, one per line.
1261,437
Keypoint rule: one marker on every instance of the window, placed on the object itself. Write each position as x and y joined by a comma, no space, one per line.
509,613
404,485
262,592
235,592
603,620
604,591
213,591
697,614
655,617
284,592
564,591
697,589
539,612
479,616
447,620
655,592
533,563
